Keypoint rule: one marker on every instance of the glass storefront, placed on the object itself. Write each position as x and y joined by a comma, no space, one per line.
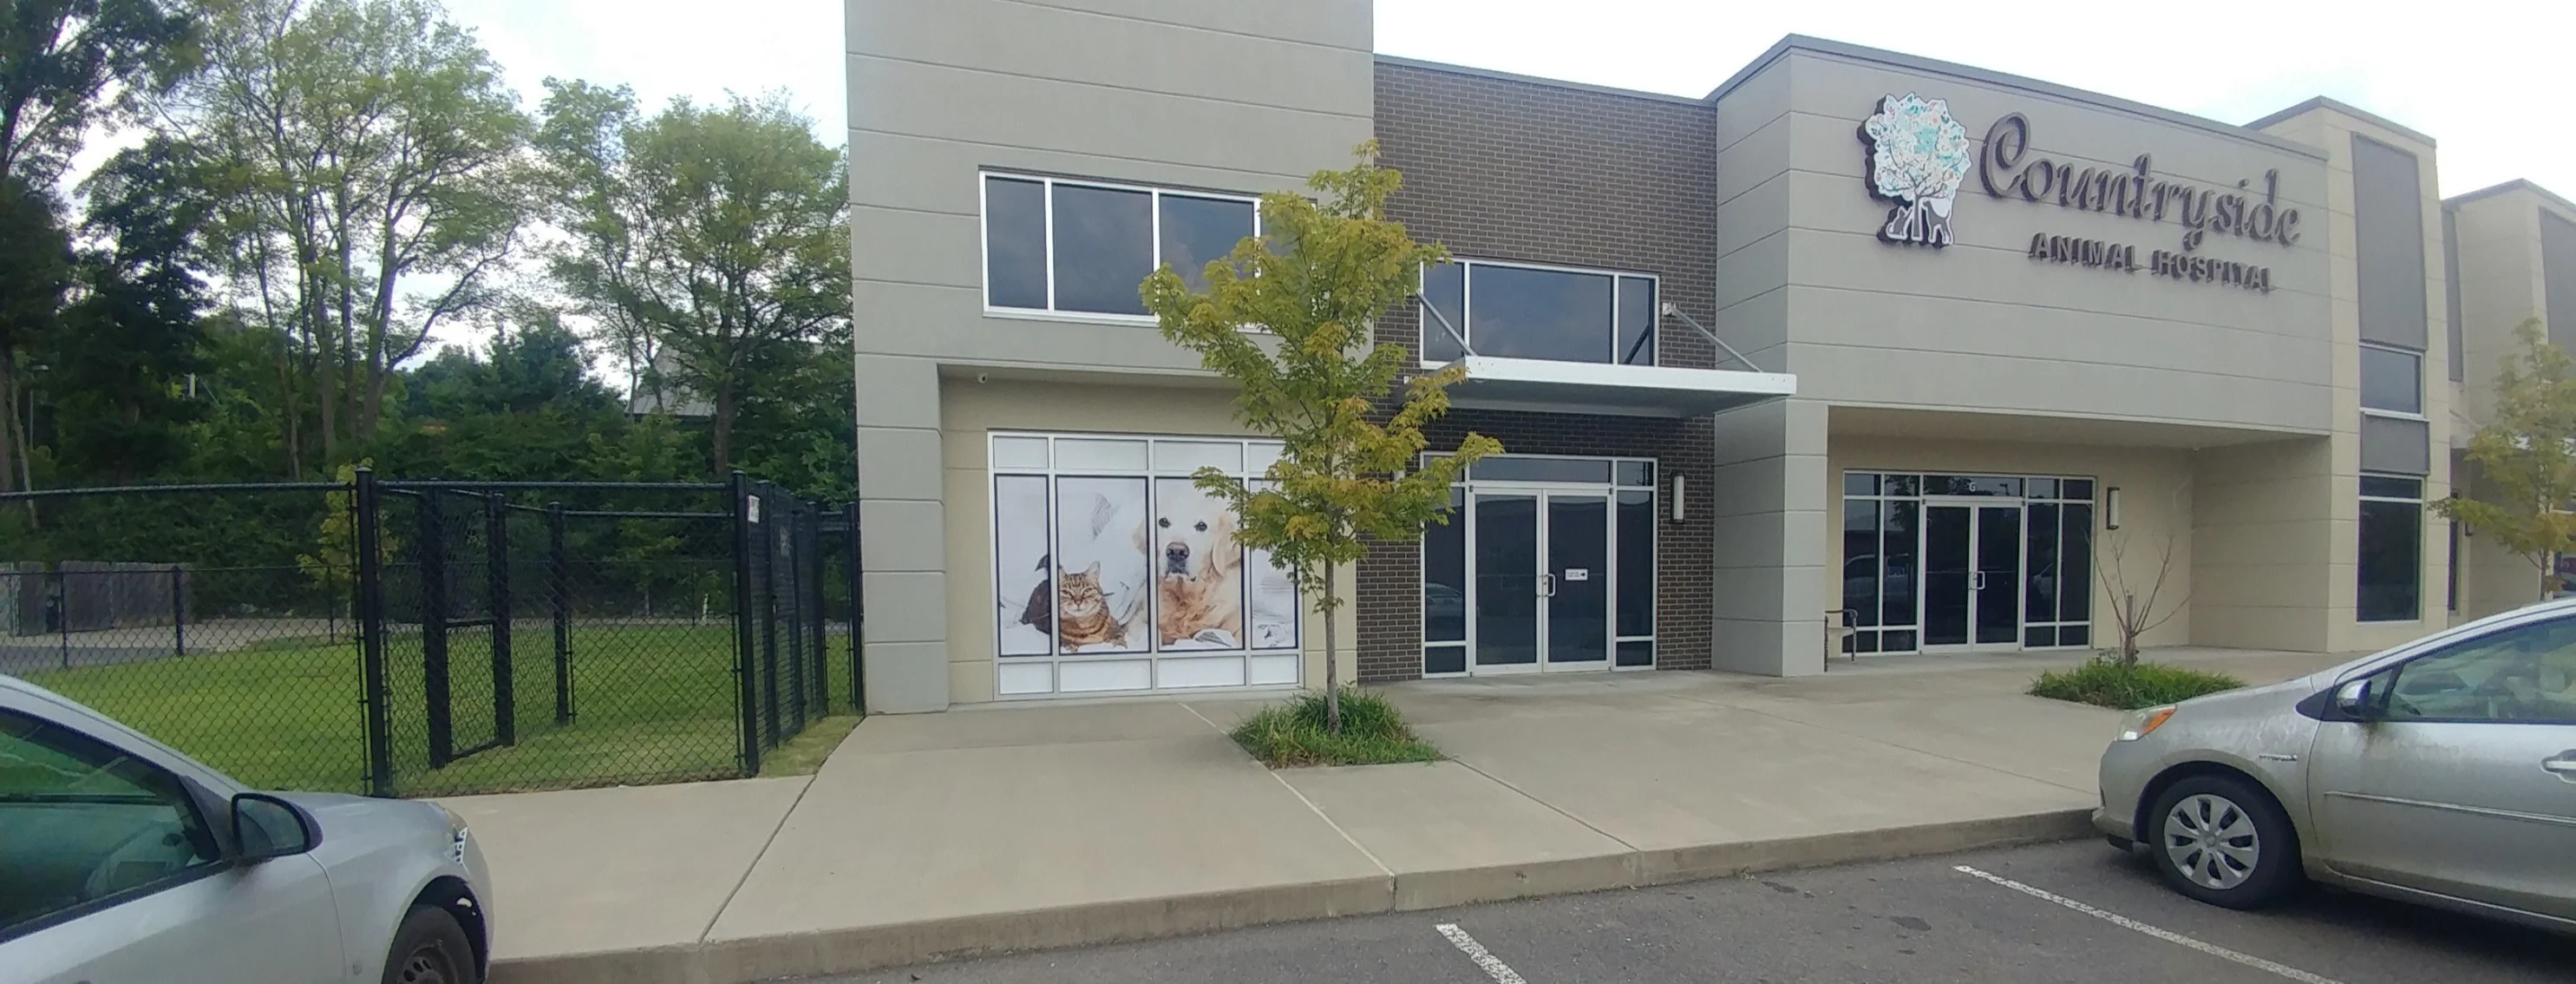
1941,562
1544,564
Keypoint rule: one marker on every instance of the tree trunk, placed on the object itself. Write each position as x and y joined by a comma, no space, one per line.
8,438
1332,659
720,437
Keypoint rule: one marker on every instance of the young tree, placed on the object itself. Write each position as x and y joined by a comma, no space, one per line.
375,186
1291,321
117,367
2526,458
718,236
2136,606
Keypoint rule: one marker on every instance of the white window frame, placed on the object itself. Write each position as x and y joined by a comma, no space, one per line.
1048,183
1467,304
2422,483
2423,394
1153,651
1468,487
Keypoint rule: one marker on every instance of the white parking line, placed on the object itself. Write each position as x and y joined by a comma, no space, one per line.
1494,967
2168,936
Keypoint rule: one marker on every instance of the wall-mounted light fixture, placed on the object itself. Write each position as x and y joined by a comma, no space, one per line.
2111,508
1681,497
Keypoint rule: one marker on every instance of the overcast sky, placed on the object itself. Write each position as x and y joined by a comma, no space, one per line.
2478,75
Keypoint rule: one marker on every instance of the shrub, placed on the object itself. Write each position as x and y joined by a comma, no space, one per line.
2108,683
1293,733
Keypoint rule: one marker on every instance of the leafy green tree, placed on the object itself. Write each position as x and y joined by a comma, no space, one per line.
375,187
117,367
1293,327
333,566
35,272
2525,456
716,239
67,65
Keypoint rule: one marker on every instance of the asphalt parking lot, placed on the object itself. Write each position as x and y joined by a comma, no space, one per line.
1916,920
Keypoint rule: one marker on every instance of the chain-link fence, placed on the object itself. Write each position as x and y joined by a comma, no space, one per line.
437,638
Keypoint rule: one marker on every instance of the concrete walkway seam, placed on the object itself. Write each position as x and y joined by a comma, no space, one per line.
862,949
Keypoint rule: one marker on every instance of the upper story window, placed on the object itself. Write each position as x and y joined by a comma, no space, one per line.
1084,247
2392,380
1520,311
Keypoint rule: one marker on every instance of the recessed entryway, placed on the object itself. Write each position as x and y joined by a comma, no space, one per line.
1546,564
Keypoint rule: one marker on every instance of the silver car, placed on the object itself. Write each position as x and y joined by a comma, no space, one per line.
2442,771
123,860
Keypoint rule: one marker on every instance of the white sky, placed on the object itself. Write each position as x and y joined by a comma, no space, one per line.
2477,75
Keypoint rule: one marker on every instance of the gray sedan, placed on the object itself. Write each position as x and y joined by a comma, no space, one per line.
123,860
2442,771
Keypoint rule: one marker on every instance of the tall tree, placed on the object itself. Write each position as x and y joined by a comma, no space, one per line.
68,64
721,234
1294,328
117,367
65,66
2525,456
375,188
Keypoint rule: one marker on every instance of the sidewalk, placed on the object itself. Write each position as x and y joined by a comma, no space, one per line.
1020,827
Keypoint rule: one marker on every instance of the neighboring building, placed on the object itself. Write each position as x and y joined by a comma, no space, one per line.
1980,334
2510,253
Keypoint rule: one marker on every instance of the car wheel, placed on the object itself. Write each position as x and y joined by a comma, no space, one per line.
2221,840
430,948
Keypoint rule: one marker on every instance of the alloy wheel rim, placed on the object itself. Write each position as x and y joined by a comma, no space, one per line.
428,965
2212,841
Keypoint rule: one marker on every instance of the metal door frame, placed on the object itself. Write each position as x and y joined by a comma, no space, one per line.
1923,558
1539,493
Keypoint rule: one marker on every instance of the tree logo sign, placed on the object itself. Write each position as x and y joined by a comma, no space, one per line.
1918,157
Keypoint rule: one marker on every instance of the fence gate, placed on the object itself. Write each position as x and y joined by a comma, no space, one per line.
461,545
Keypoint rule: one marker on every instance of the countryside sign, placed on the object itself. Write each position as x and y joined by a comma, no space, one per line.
1919,157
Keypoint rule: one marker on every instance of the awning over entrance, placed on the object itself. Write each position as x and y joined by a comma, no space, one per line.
1495,382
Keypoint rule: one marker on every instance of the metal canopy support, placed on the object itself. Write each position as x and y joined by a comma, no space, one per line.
1434,312
1674,310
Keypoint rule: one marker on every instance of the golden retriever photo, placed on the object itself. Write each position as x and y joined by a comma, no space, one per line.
1198,569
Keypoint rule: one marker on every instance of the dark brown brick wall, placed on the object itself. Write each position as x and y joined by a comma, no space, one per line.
1510,170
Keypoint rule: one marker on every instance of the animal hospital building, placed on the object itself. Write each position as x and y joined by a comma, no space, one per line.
1860,354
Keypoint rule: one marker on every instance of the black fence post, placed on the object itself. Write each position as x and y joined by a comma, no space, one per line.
818,640
769,617
178,611
562,595
791,535
746,519
496,549
63,613
858,621
433,627
371,633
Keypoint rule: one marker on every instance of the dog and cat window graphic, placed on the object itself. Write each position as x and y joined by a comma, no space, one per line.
1105,546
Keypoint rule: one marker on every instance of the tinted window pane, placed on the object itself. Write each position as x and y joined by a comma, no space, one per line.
1014,243
2077,488
1640,653
1444,575
2383,487
1636,321
1444,659
1860,483
1636,473
2075,566
1896,642
2392,380
2391,567
1444,288
1636,563
1902,485
1539,314
2043,488
1197,230
1104,247
1860,560
2075,635
1508,469
2040,603
1898,571
1970,485
2040,637
83,820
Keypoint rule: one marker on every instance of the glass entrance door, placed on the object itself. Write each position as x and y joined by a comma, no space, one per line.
1971,575
1542,581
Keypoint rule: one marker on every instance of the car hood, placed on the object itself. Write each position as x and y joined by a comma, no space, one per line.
342,815
2286,692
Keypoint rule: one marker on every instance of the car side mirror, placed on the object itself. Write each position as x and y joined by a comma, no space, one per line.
265,827
2354,700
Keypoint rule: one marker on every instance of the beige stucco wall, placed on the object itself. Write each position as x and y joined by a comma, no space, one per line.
2155,506
2262,529
2333,130
970,410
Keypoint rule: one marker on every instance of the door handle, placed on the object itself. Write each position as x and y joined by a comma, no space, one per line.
1977,581
1547,585
2562,765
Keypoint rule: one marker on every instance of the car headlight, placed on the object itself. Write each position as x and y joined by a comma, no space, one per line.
457,835
2142,723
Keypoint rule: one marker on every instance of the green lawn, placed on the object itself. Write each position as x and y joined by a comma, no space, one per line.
652,704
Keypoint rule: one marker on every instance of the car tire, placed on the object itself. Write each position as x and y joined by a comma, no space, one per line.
2222,840
430,948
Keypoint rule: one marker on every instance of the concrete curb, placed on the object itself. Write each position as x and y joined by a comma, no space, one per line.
862,949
